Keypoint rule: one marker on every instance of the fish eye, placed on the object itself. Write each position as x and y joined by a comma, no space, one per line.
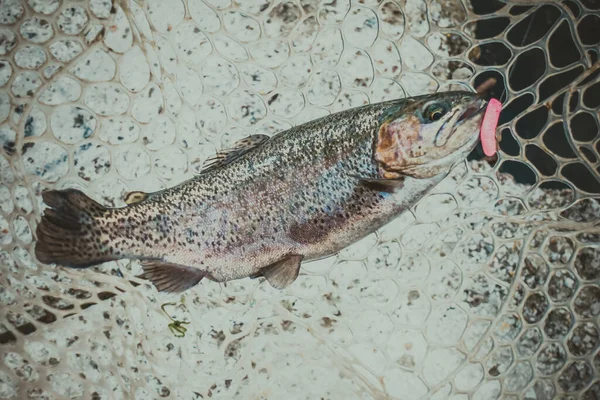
435,115
434,112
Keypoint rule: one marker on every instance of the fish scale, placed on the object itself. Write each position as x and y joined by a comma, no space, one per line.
268,204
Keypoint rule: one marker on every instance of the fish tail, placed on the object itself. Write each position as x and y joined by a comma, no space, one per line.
69,233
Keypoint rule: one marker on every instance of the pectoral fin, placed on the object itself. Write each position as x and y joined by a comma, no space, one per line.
284,272
383,185
168,277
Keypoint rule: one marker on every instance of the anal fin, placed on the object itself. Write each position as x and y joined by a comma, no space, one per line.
284,272
168,277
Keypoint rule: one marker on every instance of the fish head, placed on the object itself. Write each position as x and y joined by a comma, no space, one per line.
426,135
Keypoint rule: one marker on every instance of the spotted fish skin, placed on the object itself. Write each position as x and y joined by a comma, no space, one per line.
303,194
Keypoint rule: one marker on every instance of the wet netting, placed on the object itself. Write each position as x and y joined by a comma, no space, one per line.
488,288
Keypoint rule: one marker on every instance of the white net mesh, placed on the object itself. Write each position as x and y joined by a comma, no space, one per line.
489,288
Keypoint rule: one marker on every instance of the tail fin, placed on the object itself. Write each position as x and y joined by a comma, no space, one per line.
68,234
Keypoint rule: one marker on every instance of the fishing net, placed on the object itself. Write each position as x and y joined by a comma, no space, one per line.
488,288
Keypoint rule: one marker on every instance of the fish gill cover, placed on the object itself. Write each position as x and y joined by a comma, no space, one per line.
488,288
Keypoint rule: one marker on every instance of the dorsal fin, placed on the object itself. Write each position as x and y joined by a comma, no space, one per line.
135,197
238,149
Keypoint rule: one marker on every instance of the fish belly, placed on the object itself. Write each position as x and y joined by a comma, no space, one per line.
310,235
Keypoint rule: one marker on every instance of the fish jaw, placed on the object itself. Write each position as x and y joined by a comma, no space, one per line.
416,141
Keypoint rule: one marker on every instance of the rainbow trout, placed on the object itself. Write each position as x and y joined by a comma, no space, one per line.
268,204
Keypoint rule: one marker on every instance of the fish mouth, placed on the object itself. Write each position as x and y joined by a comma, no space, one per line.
475,108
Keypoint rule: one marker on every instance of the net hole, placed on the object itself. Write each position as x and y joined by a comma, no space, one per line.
521,172
47,317
482,7
563,50
452,70
557,104
573,101
591,96
515,108
7,337
588,154
518,10
489,28
541,160
106,295
581,177
573,7
584,127
57,303
498,90
554,84
557,194
533,27
588,30
591,4
79,294
509,144
527,69
531,124
556,141
490,54
27,328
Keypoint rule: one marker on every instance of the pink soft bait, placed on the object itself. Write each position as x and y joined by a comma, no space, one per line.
488,127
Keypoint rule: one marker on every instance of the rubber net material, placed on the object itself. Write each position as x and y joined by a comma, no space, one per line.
488,288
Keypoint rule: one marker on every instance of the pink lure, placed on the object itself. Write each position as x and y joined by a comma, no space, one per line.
488,127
